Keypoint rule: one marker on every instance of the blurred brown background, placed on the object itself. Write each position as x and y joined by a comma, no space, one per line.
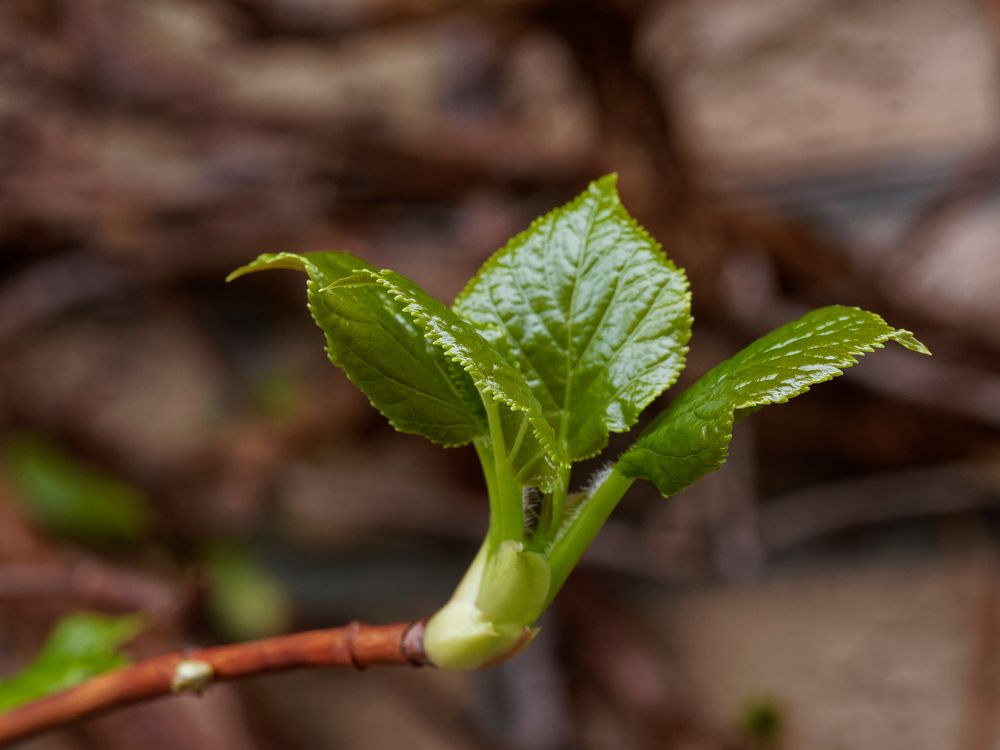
181,446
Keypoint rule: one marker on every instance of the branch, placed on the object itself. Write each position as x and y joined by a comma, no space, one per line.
355,646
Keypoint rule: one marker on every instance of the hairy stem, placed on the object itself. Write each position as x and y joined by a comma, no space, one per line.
355,646
579,530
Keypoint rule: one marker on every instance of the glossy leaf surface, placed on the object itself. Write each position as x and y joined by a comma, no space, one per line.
691,438
537,459
592,312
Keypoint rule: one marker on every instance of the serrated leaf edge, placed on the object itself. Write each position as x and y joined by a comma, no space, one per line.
849,358
606,184
518,239
688,320
300,262
539,425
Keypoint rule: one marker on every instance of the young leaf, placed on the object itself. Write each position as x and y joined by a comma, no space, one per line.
79,647
591,310
406,377
691,438
537,458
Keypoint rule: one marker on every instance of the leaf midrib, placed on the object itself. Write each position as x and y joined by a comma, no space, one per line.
567,393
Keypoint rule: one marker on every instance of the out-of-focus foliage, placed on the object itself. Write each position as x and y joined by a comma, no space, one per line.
276,395
762,722
245,600
66,496
79,647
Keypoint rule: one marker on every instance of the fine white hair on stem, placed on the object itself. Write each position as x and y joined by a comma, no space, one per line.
596,479
531,502
578,500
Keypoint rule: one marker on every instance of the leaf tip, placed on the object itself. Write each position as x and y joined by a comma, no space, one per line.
607,182
241,271
266,261
907,339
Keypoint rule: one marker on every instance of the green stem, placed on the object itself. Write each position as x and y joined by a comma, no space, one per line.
579,530
489,472
558,503
551,515
508,513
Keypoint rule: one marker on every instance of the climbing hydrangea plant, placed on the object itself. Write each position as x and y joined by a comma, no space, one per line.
564,336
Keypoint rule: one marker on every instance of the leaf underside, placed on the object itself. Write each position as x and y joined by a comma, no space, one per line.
692,436
589,308
79,647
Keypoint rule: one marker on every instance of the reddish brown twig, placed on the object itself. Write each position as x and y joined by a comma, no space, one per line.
355,646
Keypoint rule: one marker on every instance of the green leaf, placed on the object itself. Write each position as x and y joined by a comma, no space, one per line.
691,438
79,647
66,496
537,459
384,352
591,310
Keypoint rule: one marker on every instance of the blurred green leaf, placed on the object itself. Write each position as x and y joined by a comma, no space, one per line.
762,722
79,647
276,394
245,600
66,496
